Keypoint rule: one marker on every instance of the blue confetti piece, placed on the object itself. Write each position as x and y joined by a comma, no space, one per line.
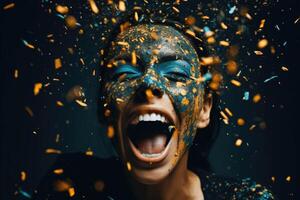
25,194
206,29
207,76
246,95
232,9
268,79
60,16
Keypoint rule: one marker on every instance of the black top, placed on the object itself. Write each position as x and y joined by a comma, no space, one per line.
77,176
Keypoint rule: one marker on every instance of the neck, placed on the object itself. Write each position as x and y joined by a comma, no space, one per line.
181,183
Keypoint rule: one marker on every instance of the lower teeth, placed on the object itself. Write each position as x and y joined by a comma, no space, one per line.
151,155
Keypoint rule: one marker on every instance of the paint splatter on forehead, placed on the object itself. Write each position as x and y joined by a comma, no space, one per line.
152,42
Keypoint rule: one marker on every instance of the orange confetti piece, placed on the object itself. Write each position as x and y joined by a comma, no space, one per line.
122,6
110,132
89,153
256,98
236,83
240,122
273,178
37,88
81,103
71,22
224,43
93,6
23,176
149,94
190,20
58,171
99,185
57,63
62,9
52,151
176,9
128,166
262,23
133,58
224,26
71,191
238,142
9,6
259,53
59,103
288,178
262,43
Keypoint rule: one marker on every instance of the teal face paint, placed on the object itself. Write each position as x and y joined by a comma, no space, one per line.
167,63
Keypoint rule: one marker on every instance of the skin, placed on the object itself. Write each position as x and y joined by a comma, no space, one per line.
155,67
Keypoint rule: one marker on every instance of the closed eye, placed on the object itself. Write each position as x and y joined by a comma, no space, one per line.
125,72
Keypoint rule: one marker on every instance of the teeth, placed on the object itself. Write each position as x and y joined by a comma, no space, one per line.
152,117
152,155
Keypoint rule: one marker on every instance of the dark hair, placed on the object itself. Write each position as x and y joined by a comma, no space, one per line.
204,139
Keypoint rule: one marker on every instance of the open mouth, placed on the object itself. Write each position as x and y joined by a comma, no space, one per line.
150,135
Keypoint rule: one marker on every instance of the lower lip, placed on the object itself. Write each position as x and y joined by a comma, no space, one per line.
153,159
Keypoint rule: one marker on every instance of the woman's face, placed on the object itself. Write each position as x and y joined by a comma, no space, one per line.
155,98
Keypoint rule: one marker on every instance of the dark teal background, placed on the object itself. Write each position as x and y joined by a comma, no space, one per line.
272,151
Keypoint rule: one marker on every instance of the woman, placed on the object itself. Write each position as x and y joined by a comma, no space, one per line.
154,103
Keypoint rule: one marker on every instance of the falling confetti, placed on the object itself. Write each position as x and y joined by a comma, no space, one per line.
37,87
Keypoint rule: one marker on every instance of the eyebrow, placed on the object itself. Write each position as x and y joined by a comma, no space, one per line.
171,57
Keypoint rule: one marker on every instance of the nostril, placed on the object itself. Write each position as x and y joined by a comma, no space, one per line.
157,92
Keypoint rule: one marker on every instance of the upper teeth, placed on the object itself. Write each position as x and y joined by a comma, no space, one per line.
151,117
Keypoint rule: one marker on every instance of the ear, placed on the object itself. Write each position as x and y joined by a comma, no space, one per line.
204,117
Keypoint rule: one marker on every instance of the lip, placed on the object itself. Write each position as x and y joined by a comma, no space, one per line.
143,110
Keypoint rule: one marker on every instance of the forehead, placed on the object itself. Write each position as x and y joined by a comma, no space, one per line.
153,39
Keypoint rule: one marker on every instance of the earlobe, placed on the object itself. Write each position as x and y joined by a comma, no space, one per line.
204,117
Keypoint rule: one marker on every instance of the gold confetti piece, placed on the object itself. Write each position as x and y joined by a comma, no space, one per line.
228,112
262,43
122,6
59,103
123,43
81,103
225,121
57,63
211,40
284,69
128,166
288,178
16,73
262,24
61,186
175,9
205,17
224,43
248,16
224,26
136,16
71,22
252,127
273,178
133,58
9,6
154,35
110,132
190,20
119,100
62,9
94,7
231,67
57,138
23,176
82,61
238,142
210,60
224,115
58,171
185,101
240,122
29,111
272,49
190,32
259,53
236,83
71,191
37,88
256,98
99,185
52,151
89,153
28,44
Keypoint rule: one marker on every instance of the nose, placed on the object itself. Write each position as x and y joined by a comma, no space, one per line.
150,87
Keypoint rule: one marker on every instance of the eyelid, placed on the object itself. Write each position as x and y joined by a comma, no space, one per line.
179,66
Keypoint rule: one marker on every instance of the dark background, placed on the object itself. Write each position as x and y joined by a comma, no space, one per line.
270,150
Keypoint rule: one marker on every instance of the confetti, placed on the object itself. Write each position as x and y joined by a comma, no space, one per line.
29,111
285,69
259,53
58,171
27,44
133,58
89,153
252,127
16,73
235,83
128,166
122,6
256,98
37,87
57,63
52,151
262,24
271,78
62,9
224,115
59,103
24,193
71,22
81,103
71,191
224,43
288,178
228,112
240,122
238,142
93,6
246,95
23,176
99,185
262,43
110,132
224,26
9,6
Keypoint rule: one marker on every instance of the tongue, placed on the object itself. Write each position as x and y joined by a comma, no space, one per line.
155,144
